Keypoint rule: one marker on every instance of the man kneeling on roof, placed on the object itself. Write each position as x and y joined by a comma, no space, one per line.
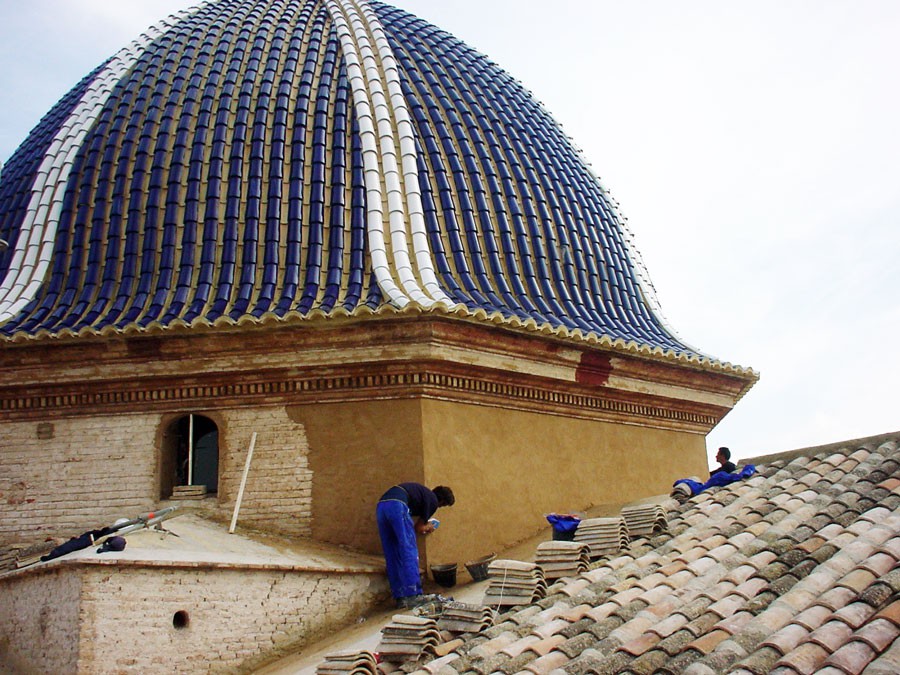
395,513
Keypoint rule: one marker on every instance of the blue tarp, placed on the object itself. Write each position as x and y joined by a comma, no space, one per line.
717,479
563,523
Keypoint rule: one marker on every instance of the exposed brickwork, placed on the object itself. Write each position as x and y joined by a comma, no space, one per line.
228,620
91,470
278,493
39,617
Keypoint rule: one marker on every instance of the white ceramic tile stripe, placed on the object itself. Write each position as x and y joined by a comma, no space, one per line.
408,156
387,144
31,258
371,165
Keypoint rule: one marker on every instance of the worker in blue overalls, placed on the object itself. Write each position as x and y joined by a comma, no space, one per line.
402,512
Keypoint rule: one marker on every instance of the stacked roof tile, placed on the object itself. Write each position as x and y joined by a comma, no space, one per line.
263,160
795,570
409,637
512,582
603,536
349,663
559,559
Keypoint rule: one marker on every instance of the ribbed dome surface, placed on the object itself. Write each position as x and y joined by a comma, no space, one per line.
259,158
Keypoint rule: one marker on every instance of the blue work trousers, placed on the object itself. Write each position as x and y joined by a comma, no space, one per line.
398,541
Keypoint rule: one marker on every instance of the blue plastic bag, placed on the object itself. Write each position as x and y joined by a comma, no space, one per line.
563,522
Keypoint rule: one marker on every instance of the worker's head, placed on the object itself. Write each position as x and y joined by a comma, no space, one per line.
723,455
444,495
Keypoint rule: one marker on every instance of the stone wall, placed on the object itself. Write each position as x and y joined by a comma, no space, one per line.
158,620
64,477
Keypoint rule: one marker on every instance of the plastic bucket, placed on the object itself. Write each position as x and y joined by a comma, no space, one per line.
444,575
563,536
478,569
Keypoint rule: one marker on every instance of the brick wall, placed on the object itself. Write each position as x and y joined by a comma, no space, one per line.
151,620
64,477
39,617
72,475
278,493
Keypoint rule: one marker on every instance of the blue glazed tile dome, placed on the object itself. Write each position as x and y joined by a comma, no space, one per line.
252,160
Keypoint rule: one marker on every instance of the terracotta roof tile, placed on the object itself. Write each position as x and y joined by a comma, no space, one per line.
701,624
733,624
831,635
837,597
543,631
710,641
891,612
669,625
892,547
887,663
852,657
727,606
830,670
575,645
759,662
805,659
878,634
769,575
740,574
640,644
787,638
858,580
548,663
676,642
494,645
718,591
543,647
877,594
855,614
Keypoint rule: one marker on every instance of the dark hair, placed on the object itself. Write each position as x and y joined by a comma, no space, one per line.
726,452
444,495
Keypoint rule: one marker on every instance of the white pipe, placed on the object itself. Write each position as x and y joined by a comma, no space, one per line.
190,472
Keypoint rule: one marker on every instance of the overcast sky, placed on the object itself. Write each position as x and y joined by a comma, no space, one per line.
753,146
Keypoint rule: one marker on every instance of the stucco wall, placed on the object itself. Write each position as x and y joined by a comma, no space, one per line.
39,623
356,452
85,472
231,620
509,468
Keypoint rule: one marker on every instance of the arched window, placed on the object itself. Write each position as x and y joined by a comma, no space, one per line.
190,458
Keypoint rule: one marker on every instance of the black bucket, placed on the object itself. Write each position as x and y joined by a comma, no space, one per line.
563,536
444,575
478,569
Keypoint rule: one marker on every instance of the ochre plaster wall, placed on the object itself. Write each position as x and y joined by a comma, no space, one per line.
509,468
357,451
